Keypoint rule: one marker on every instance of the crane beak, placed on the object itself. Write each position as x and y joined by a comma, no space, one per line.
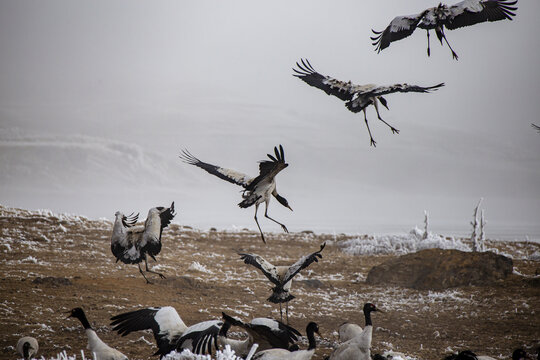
289,208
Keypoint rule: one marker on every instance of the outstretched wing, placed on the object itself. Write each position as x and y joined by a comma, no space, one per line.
269,168
403,88
470,12
231,176
164,322
166,216
303,263
536,127
399,28
268,333
260,263
341,89
200,338
276,333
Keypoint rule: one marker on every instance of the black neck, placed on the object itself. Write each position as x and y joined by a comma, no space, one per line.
281,200
367,315
26,350
311,339
84,321
224,329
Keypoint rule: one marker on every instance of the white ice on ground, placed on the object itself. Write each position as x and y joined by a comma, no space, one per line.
225,354
199,267
400,243
392,355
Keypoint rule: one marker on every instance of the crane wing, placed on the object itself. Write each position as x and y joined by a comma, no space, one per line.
268,333
231,176
383,90
164,322
303,263
269,168
130,220
276,333
201,337
470,12
260,263
399,28
535,127
341,89
166,216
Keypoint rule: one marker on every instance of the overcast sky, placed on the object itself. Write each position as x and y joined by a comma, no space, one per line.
98,97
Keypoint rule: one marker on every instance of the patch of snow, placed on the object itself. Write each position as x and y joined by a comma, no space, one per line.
516,272
199,267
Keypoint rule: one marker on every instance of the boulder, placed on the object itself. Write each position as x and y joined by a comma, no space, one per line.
438,269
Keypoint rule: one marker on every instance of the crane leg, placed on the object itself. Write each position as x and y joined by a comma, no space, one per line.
257,221
394,130
277,222
287,311
428,52
142,273
280,312
373,143
454,55
152,271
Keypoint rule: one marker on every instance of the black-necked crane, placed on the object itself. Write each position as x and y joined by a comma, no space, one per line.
358,347
257,190
27,347
267,333
170,332
281,276
283,354
100,350
132,245
464,13
357,97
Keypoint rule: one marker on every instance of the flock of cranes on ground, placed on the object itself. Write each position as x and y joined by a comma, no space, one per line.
132,244
275,340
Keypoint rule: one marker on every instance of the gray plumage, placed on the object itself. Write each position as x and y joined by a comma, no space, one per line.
257,190
357,97
464,13
27,347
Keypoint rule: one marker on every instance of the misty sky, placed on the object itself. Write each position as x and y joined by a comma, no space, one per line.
97,99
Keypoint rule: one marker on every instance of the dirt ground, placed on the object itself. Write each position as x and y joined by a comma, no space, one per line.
205,277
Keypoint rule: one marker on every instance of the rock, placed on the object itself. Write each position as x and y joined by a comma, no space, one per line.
53,281
437,269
